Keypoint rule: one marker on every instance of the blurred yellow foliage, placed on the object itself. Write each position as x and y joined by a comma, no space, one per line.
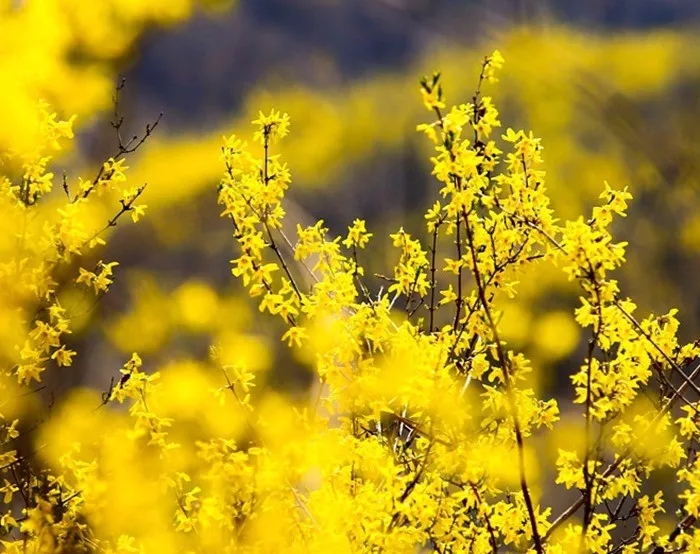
147,326
336,129
70,58
197,305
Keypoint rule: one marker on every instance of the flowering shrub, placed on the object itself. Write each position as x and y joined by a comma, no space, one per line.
596,113
424,431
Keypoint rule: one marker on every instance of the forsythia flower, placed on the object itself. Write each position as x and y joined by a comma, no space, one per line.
271,127
357,235
493,64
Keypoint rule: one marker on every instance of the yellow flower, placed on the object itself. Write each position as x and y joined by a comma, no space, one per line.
271,127
63,357
294,336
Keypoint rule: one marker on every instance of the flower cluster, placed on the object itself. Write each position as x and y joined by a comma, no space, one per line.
49,240
422,378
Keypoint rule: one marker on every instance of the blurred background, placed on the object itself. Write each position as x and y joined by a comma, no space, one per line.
612,87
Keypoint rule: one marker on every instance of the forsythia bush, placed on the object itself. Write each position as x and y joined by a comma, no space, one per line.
609,93
424,432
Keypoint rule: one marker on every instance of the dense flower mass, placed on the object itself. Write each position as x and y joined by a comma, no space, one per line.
425,431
